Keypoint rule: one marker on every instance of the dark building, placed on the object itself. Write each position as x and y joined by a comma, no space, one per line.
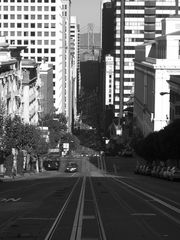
107,29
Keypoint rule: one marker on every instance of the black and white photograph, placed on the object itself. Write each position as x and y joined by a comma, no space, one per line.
89,119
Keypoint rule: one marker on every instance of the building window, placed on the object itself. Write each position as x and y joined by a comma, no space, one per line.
26,8
19,42
32,16
25,34
53,17
19,8
52,50
32,50
46,42
39,59
46,17
39,25
32,34
12,33
18,25
12,25
19,34
52,59
19,16
46,34
53,25
32,25
39,42
12,8
33,8
25,25
46,50
39,8
5,8
25,42
39,34
6,25
53,9
46,25
39,17
46,8
32,42
12,16
5,16
53,34
52,42
26,17
39,50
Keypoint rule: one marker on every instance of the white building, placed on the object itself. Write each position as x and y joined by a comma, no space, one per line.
109,80
29,100
155,63
66,13
38,25
10,79
136,22
75,62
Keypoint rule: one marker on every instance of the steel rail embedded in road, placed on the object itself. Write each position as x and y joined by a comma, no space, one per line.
98,215
155,199
77,226
52,230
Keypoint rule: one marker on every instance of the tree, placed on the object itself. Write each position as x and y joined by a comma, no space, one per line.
57,125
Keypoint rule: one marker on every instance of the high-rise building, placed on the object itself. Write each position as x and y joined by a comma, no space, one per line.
75,62
67,103
136,22
107,32
36,24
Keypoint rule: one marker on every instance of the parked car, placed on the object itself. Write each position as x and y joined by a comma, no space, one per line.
153,171
137,168
158,169
174,174
141,169
161,172
51,164
127,152
147,170
167,172
71,167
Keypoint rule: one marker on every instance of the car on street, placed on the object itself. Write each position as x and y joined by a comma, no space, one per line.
71,167
127,152
161,172
174,174
167,172
50,164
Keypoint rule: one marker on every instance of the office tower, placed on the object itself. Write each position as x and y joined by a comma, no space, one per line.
36,24
136,21
75,62
67,102
107,28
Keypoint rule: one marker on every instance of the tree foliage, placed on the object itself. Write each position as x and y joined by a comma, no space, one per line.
57,125
161,145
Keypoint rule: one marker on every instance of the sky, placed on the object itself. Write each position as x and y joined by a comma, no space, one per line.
86,11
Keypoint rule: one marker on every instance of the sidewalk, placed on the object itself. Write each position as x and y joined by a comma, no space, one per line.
30,175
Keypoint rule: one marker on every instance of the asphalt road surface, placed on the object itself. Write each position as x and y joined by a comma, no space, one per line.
103,200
